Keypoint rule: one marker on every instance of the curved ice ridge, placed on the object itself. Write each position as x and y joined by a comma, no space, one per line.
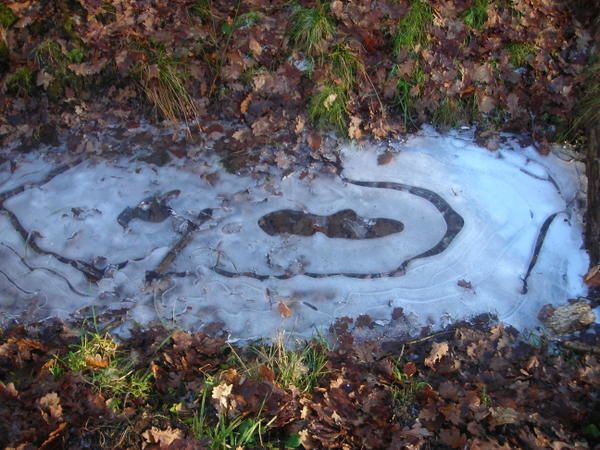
454,224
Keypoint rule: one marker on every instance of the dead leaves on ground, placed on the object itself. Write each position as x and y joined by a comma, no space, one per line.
476,387
525,61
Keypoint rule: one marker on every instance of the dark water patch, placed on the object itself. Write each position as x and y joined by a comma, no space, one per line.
345,224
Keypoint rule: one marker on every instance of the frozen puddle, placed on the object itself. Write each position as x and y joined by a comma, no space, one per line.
446,230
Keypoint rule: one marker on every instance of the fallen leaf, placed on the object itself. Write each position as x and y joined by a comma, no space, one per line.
328,102
503,416
161,437
593,277
50,403
221,394
255,47
438,351
314,140
245,104
354,131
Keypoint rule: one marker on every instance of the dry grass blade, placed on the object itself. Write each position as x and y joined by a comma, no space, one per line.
165,89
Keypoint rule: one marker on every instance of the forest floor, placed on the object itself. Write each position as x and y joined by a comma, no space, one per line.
475,385
267,85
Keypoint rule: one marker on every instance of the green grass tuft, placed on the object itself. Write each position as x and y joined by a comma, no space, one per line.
452,112
98,360
476,16
412,28
7,16
328,108
227,433
520,53
201,9
345,66
587,112
301,368
403,100
163,82
311,29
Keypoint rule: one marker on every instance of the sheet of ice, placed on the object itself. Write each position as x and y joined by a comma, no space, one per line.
233,271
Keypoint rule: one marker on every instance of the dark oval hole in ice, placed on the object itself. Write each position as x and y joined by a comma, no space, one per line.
345,224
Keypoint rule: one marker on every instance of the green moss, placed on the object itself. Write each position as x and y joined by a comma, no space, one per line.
520,53
412,28
20,82
311,29
476,16
247,20
7,16
327,108
76,55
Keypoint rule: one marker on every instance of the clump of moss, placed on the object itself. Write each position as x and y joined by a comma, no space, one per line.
7,16
476,16
20,82
412,28
520,53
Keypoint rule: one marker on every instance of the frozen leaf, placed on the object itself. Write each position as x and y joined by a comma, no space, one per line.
438,351
385,158
464,284
284,310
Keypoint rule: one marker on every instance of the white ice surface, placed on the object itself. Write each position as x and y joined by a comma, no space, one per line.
504,198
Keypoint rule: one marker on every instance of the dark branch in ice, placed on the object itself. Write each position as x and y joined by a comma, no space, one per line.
87,269
536,250
47,269
188,235
11,281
